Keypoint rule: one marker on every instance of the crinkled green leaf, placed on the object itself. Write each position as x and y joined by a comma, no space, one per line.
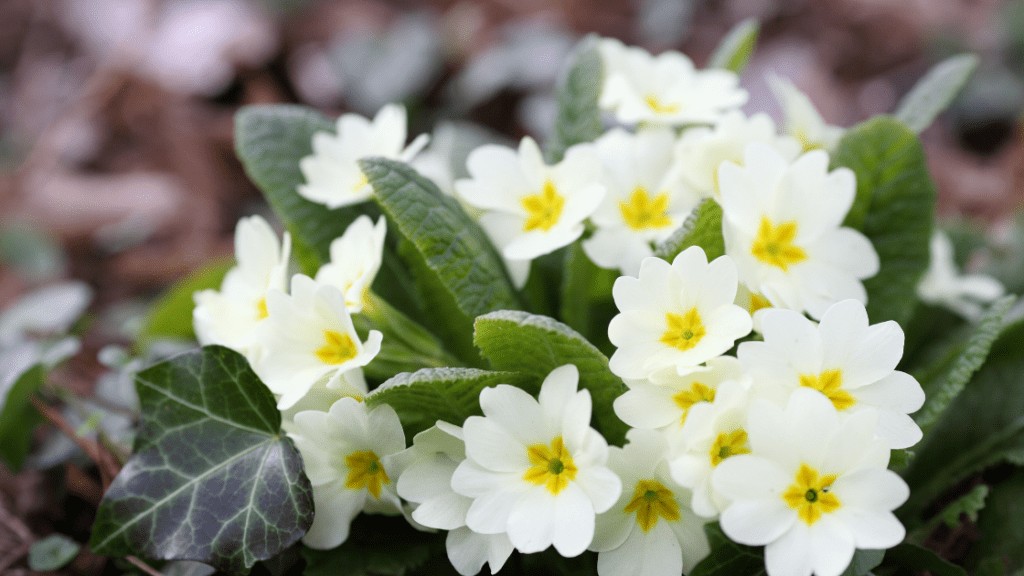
536,345
894,208
1002,532
452,245
586,298
171,315
18,418
703,227
579,118
52,553
935,91
451,394
213,478
735,50
918,559
969,504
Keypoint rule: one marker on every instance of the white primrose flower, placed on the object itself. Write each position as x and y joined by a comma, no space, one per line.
664,89
843,358
646,199
782,224
308,338
355,260
651,530
348,455
332,173
813,489
675,316
702,150
803,122
530,208
534,468
943,284
426,481
229,317
713,433
664,401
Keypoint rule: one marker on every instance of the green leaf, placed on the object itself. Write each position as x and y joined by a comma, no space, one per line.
919,559
586,297
213,477
377,546
171,315
864,561
452,245
945,381
735,50
18,418
969,504
578,118
52,553
536,345
703,227
728,558
894,208
936,91
1002,532
451,394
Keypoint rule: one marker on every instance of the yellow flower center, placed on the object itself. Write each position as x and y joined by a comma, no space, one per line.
338,348
805,141
810,495
261,309
683,331
758,302
543,209
641,212
365,471
360,183
659,107
774,244
652,500
830,383
697,393
727,445
550,466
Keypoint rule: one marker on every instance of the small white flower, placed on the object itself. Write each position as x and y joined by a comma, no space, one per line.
309,337
646,199
664,89
332,172
229,317
702,150
426,481
943,285
651,530
355,260
782,224
347,453
675,316
535,469
803,122
813,489
530,208
846,360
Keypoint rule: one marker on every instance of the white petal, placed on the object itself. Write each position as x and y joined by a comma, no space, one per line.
871,529
444,512
757,522
831,545
748,477
654,553
790,555
493,448
872,489
574,522
601,485
336,507
531,522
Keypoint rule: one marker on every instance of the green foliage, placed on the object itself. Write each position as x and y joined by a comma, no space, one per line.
380,546
894,208
536,345
52,553
935,91
586,297
1002,532
213,478
171,315
919,559
735,50
703,227
450,394
18,418
578,119
969,504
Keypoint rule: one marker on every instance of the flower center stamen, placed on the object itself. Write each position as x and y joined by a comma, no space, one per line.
366,471
261,309
338,348
543,209
659,107
550,466
810,495
683,331
727,445
829,383
642,212
651,501
774,244
685,399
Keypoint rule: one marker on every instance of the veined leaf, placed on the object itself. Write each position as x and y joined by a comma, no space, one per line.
171,315
586,299
451,394
735,50
935,91
894,208
536,345
213,477
579,118
703,227
18,418
452,245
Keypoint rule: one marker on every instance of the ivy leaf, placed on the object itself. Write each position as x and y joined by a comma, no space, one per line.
920,559
213,478
894,208
1002,532
52,553
171,315
578,118
703,227
735,50
18,418
451,394
536,345
452,245
935,91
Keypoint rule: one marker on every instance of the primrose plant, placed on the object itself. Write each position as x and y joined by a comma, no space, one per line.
676,338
